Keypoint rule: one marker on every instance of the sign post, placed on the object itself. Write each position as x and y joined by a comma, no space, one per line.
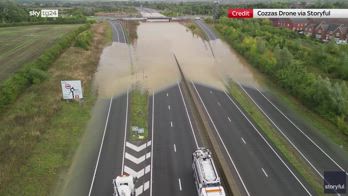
71,89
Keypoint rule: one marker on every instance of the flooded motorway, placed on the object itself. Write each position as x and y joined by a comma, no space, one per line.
150,62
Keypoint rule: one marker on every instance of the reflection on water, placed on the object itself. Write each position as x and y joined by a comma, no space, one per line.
154,67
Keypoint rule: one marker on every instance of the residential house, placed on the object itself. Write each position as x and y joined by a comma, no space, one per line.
295,24
341,34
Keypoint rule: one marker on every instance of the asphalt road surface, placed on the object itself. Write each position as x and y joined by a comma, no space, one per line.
262,170
109,162
173,144
315,151
118,34
210,34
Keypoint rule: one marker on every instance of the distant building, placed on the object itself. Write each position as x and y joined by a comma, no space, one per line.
295,24
323,29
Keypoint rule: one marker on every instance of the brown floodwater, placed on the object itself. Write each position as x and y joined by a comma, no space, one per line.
150,62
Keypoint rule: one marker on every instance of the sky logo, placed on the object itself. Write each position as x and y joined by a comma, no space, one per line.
335,182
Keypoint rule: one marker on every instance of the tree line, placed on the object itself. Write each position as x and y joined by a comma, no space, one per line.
313,72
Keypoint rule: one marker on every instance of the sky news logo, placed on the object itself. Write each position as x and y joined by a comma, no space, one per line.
335,182
46,13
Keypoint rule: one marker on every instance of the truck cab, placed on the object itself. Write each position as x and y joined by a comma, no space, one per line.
123,185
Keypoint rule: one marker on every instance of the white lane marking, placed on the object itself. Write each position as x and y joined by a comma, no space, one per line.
139,190
146,185
125,134
137,174
171,123
174,148
136,148
125,39
168,107
167,94
100,148
219,104
147,169
188,116
284,135
275,152
180,187
222,142
243,140
301,131
149,143
118,37
264,172
135,159
229,119
211,92
148,155
152,139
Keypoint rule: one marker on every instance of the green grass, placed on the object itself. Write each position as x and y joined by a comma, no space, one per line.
139,113
324,127
290,154
40,132
22,44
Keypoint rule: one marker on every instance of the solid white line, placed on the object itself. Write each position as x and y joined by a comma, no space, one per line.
174,148
229,119
168,107
243,140
264,172
171,123
275,152
284,135
301,131
167,94
114,26
223,144
100,148
125,39
152,139
125,134
188,116
180,187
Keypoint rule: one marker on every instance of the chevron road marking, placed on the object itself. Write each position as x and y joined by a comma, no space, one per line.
136,148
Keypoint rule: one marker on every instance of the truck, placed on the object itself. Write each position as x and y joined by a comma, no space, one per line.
123,185
206,177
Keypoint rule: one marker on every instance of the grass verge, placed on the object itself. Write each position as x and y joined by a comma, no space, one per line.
282,145
196,30
325,128
39,132
130,28
138,114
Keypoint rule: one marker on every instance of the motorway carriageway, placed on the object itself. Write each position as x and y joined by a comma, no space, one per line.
173,142
262,170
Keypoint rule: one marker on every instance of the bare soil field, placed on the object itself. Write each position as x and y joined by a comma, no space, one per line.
21,44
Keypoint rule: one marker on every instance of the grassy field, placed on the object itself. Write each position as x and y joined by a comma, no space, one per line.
21,44
39,132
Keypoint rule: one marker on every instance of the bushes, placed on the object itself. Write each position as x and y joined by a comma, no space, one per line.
285,61
84,39
35,72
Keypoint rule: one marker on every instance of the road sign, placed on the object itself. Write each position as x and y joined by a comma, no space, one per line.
71,89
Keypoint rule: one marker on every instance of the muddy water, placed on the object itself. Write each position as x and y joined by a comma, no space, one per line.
152,64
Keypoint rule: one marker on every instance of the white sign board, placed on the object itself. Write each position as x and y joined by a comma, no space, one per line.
71,89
